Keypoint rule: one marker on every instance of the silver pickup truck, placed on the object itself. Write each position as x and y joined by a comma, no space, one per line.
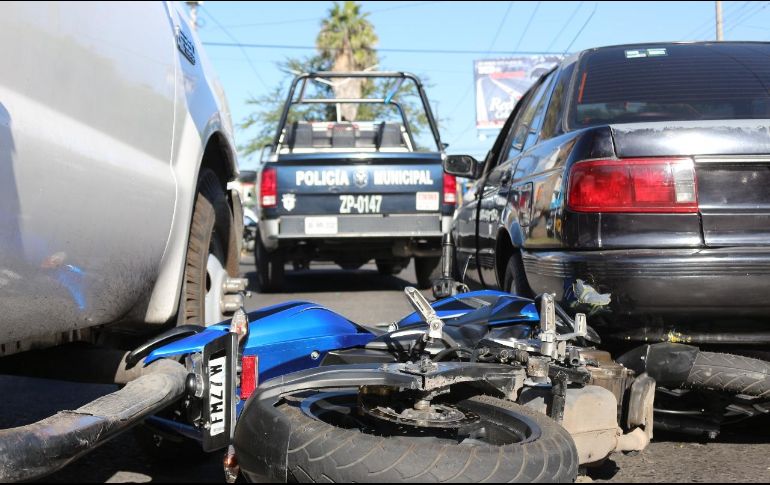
116,150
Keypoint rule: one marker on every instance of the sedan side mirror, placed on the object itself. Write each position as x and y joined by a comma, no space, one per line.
463,166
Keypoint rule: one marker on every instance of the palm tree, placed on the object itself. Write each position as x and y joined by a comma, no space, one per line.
347,39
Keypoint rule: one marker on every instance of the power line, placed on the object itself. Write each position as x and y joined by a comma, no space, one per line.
566,24
526,28
739,13
707,25
736,12
243,51
379,49
489,51
500,26
706,28
747,15
596,5
736,9
318,19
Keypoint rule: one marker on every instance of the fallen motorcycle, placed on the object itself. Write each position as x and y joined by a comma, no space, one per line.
481,385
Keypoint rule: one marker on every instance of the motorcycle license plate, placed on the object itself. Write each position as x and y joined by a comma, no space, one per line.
219,357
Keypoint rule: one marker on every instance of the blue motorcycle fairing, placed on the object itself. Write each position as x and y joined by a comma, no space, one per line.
491,307
296,335
188,345
283,337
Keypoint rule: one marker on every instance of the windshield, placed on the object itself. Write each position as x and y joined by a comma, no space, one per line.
672,83
383,114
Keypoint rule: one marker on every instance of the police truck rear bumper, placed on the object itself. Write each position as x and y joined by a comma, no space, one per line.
357,226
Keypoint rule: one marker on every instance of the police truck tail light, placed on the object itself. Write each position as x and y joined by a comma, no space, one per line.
450,189
249,375
268,188
663,185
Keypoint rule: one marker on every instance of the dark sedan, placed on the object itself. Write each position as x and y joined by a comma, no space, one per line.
643,170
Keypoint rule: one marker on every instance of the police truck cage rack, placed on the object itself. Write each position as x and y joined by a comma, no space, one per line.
383,137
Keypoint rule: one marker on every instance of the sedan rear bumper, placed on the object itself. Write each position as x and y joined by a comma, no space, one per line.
673,284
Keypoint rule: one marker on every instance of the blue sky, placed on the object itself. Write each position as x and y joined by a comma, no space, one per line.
448,25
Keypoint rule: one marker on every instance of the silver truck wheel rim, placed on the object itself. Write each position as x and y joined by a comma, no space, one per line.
216,277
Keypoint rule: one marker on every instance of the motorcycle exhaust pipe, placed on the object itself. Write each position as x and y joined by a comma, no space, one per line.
38,449
668,364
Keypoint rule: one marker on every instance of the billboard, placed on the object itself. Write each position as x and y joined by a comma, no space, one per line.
500,83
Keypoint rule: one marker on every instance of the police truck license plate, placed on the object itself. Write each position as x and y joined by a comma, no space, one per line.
217,389
320,225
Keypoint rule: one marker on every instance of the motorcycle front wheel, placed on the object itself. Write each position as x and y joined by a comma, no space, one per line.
330,440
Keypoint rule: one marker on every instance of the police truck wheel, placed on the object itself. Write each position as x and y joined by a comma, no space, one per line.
270,268
387,267
427,270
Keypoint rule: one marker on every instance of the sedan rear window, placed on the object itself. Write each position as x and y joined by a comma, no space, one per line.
677,82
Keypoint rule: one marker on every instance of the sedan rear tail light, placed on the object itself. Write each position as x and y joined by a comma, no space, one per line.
450,189
665,185
268,188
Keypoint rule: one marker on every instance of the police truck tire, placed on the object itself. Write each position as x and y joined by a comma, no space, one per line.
270,268
388,267
427,270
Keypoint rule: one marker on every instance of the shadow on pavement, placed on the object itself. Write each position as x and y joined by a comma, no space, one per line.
323,280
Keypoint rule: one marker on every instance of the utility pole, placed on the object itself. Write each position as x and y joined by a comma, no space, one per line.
719,20
194,13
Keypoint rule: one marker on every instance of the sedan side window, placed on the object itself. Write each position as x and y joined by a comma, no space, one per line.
522,127
537,119
556,105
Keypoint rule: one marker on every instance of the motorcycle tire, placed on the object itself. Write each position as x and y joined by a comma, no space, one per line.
320,451
731,373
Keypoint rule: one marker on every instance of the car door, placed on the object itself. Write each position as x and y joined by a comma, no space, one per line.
86,187
498,191
466,218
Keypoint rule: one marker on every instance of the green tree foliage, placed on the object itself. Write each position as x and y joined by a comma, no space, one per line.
345,42
268,107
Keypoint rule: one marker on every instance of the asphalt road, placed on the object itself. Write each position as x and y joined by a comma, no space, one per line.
365,297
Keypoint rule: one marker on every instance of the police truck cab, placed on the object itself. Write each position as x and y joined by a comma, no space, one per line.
354,174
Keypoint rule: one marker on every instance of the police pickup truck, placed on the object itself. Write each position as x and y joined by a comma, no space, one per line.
354,174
